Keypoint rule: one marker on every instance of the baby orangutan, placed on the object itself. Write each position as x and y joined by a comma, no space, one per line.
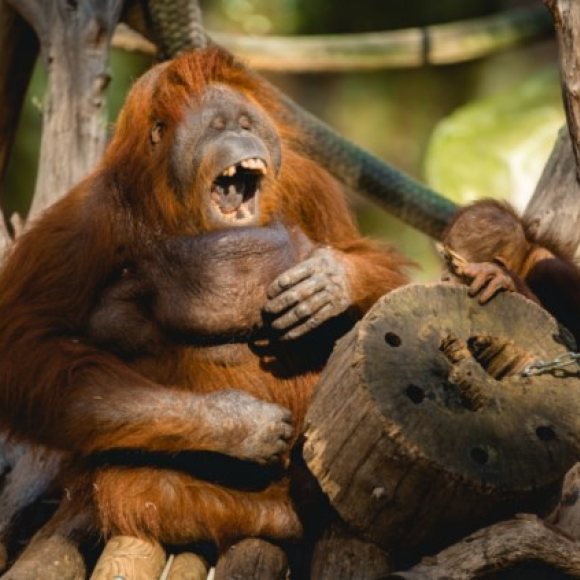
501,253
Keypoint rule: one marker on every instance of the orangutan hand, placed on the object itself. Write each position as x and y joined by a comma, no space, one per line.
307,295
487,279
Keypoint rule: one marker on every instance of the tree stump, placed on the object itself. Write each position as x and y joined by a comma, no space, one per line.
422,422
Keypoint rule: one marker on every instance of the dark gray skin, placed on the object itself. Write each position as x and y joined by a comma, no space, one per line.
203,288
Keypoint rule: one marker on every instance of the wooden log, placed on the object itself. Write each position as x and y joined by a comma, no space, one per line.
53,551
129,558
74,39
29,471
252,558
554,210
524,545
32,475
566,15
50,558
553,213
422,426
339,553
187,566
566,516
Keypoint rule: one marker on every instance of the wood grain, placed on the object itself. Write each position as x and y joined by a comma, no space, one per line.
413,441
129,558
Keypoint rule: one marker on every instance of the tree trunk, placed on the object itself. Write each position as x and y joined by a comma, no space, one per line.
554,211
422,425
74,39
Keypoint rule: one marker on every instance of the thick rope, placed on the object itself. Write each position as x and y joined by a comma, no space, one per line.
177,25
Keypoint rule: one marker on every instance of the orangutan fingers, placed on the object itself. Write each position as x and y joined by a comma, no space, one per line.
496,284
320,317
291,277
479,281
303,310
295,295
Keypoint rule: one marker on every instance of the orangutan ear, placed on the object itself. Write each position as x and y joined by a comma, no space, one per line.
157,131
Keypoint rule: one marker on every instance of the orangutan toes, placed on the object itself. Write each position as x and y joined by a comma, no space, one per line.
263,431
270,436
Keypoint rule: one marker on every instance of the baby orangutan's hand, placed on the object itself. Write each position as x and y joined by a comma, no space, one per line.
487,279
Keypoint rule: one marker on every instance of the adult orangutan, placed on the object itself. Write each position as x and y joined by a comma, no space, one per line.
502,253
239,264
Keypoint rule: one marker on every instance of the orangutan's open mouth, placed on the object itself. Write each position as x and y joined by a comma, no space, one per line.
234,193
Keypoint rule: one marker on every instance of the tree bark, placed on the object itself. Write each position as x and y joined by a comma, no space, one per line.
74,38
52,558
566,516
554,211
501,547
422,426
252,558
339,553
566,15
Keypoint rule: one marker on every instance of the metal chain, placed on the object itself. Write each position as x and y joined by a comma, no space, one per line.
541,366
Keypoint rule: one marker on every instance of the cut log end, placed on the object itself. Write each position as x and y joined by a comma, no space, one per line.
49,558
341,554
423,420
130,558
187,566
252,558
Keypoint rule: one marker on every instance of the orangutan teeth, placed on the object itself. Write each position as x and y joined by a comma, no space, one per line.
254,164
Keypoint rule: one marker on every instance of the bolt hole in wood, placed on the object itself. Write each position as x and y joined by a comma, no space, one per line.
479,455
545,433
392,339
416,394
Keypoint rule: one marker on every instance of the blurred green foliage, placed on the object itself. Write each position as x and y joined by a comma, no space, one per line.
497,146
392,113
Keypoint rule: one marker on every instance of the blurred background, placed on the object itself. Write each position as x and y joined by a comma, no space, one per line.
473,129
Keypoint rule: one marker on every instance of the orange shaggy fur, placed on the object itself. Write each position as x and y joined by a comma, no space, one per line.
58,389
